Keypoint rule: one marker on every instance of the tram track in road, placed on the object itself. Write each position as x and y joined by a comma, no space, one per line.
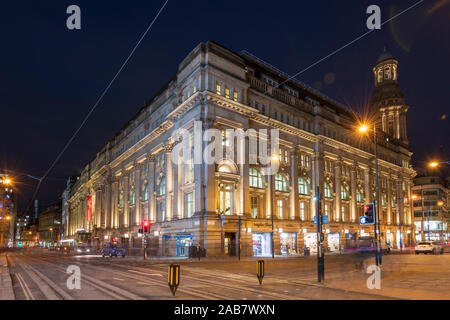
110,290
139,279
141,275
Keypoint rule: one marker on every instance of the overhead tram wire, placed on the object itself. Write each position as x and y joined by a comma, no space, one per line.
96,104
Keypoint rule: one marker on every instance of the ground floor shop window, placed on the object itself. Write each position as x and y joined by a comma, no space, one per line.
311,241
333,242
262,244
288,242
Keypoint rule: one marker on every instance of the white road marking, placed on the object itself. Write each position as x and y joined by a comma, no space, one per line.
147,274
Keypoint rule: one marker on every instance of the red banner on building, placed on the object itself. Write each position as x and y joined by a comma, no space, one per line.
89,208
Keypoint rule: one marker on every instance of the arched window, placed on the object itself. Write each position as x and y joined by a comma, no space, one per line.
281,182
303,186
327,190
256,180
344,193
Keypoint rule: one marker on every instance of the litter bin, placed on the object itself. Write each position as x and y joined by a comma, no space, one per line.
306,251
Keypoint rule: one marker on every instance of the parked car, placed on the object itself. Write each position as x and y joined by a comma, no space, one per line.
428,247
113,250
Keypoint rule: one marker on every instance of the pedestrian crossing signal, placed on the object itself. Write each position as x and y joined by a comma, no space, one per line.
260,270
369,214
174,277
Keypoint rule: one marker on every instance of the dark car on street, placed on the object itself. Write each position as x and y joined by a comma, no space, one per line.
113,250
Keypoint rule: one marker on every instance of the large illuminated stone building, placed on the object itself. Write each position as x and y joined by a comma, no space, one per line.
133,178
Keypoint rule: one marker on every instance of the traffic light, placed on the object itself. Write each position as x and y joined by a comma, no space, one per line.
369,214
146,226
322,237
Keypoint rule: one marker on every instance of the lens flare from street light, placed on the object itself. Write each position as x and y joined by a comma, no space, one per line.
363,128
414,196
7,181
433,164
440,203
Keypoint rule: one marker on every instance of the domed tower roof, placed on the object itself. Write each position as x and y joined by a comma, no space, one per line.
384,56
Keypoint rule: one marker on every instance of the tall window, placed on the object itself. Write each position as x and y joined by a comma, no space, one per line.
304,160
225,138
284,156
359,195
225,196
218,88
327,209
281,182
303,186
227,92
188,204
383,200
256,180
161,187
254,207
235,95
121,198
144,195
132,196
344,193
327,190
189,171
161,210
280,209
302,210
343,213
328,166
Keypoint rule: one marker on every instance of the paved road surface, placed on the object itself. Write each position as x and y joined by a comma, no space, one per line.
40,275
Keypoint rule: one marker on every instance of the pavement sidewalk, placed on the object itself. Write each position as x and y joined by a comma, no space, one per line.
6,289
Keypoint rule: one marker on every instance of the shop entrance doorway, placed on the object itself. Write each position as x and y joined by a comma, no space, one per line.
230,243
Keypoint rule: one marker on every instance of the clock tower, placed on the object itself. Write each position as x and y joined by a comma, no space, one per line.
388,100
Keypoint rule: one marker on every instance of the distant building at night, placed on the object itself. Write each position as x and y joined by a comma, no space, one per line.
8,210
133,178
431,201
50,227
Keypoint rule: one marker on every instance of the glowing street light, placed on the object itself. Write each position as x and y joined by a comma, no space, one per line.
435,164
363,128
414,196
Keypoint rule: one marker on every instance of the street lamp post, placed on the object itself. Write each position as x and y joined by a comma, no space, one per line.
377,240
271,209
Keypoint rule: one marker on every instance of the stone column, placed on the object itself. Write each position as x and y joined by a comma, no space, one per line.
293,195
400,196
337,190
169,182
388,199
177,183
245,180
353,193
126,206
368,196
137,196
151,189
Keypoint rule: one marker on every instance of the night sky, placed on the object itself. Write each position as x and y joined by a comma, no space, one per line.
50,76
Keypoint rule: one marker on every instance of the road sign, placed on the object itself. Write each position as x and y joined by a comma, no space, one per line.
324,219
174,277
260,270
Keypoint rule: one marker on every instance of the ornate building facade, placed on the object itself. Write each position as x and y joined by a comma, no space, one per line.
220,205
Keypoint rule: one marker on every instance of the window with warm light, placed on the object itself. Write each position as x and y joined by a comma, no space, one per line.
254,207
327,190
344,193
235,95
303,186
256,179
280,209
227,92
281,182
302,210
218,89
188,204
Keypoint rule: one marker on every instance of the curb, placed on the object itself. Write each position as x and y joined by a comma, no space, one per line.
6,288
